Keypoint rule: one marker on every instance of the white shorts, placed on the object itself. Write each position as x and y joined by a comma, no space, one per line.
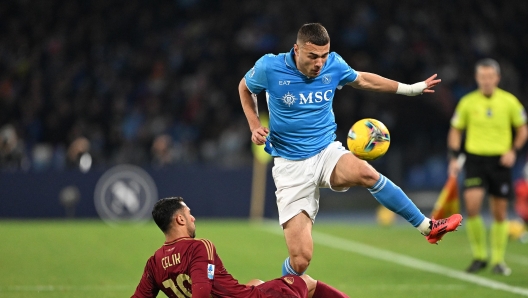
298,181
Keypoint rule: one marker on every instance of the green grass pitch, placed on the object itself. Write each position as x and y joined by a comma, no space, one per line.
92,259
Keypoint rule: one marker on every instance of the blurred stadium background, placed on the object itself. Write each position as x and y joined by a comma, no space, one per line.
105,106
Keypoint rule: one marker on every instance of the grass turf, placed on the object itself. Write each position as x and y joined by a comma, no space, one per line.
91,259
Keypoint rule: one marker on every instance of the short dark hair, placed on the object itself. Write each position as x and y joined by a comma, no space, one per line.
164,210
313,33
488,62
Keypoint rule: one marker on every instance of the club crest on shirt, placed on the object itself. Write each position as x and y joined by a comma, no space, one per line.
289,280
210,271
326,79
288,99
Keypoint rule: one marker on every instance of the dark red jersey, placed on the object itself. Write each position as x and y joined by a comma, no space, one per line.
190,267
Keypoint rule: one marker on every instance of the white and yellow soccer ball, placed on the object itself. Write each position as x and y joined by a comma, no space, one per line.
368,139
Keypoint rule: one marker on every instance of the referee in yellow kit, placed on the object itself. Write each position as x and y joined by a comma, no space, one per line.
487,115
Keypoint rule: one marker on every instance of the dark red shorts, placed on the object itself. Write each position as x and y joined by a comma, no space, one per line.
288,286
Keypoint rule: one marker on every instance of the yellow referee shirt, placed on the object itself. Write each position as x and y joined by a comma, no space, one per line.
488,121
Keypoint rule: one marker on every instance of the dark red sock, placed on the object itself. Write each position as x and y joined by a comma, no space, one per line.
323,290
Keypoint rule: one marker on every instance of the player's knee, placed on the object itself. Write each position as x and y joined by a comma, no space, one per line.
300,262
368,176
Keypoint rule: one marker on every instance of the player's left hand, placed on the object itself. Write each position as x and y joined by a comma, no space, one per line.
508,159
431,82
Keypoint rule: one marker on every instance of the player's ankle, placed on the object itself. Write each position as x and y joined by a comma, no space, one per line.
425,226
287,268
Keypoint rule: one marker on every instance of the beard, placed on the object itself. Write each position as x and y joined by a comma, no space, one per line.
192,232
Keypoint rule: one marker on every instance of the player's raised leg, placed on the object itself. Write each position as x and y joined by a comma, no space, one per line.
298,235
352,171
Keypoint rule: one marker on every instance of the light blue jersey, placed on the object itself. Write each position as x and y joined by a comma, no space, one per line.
302,121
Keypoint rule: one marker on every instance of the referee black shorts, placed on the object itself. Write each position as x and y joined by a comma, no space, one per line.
487,172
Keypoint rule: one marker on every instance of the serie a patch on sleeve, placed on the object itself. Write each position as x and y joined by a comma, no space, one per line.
210,271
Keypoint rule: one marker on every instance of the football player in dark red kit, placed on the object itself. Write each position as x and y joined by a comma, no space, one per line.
188,267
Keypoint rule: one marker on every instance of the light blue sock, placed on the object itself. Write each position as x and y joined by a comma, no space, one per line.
288,269
392,197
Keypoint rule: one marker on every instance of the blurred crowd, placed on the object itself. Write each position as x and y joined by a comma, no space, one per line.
155,82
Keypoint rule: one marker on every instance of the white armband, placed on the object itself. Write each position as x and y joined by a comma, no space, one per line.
411,90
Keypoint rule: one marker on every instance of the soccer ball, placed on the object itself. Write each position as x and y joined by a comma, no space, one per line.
368,139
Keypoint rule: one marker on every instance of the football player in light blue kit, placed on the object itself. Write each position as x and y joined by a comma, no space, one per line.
300,87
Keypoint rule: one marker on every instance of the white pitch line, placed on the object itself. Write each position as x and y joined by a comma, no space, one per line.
385,255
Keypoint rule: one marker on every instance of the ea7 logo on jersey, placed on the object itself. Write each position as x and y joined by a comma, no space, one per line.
284,83
210,271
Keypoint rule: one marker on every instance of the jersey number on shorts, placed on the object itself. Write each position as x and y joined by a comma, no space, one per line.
180,291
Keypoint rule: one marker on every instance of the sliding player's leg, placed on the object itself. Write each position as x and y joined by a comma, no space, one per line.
318,289
298,286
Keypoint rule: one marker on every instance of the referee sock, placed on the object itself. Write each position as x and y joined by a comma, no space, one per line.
323,290
498,240
392,197
288,269
476,231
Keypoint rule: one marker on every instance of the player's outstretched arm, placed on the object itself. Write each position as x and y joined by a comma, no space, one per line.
249,105
373,82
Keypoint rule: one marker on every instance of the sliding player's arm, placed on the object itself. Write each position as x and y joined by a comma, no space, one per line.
202,268
147,287
373,82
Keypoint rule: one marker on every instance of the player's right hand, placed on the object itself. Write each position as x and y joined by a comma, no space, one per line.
258,135
431,82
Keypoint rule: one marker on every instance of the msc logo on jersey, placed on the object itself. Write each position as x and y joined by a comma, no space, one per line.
210,271
125,193
315,96
309,98
289,99
326,79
